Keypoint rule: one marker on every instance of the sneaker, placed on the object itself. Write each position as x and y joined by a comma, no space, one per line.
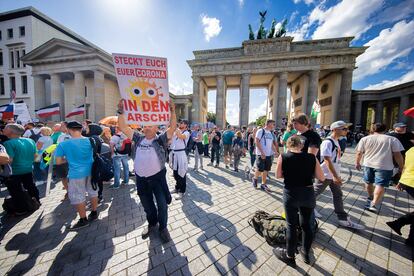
147,231
216,166
281,254
124,183
82,222
93,216
317,214
165,235
368,203
373,209
113,187
264,187
178,196
394,225
350,224
227,166
254,183
305,257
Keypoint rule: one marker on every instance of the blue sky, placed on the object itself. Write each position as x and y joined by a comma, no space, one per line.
173,29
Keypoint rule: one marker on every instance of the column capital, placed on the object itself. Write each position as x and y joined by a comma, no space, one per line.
246,75
220,78
313,73
283,75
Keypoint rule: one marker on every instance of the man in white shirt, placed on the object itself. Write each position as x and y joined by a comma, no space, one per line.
266,147
378,151
331,167
178,158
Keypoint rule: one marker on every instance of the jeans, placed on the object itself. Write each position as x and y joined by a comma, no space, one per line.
15,188
336,195
118,160
215,152
302,200
150,187
206,150
252,156
408,219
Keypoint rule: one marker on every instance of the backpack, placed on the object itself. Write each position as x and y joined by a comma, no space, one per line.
273,227
318,155
124,146
35,137
102,168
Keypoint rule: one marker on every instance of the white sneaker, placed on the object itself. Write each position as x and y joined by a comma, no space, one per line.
317,214
178,196
350,224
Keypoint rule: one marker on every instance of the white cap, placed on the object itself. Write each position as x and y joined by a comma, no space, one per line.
339,124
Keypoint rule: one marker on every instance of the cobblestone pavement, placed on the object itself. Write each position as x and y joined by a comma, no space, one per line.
210,234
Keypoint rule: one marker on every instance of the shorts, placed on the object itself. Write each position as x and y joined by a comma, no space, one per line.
264,164
77,189
377,176
61,171
227,149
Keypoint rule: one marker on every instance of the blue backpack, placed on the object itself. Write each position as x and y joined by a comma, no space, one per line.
102,168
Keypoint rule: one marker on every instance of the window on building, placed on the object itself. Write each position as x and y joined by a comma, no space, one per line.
18,58
1,36
12,84
23,53
86,92
9,33
22,31
1,58
24,85
11,59
2,90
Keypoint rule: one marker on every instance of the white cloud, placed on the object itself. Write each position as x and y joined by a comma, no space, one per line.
241,3
211,26
183,88
347,18
307,2
232,113
211,107
257,112
387,47
396,13
409,76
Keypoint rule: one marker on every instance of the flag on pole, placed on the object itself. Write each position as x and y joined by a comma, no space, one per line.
316,109
77,111
48,111
7,111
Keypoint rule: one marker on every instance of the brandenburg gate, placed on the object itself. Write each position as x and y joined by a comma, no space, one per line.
313,70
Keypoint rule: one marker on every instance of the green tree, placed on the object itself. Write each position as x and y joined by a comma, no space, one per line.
211,117
260,122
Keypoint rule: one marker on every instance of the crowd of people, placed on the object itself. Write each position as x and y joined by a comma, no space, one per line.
67,151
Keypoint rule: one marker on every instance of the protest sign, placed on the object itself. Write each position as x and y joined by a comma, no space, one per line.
143,85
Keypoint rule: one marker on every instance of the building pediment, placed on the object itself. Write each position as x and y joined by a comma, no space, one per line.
57,49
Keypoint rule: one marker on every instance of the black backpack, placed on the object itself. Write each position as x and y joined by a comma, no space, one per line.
102,168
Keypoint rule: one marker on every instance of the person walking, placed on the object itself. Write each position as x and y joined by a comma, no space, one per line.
228,136
178,158
406,183
206,142
266,147
312,140
45,141
237,150
290,131
78,153
21,152
298,197
119,158
198,149
378,151
330,157
149,165
215,149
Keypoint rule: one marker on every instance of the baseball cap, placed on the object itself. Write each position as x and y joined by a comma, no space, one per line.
339,124
399,125
74,124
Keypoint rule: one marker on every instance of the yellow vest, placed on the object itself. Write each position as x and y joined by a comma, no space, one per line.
407,178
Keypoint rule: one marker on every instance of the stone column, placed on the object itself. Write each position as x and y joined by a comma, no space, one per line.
379,112
312,92
55,95
39,91
186,112
281,98
244,100
196,107
79,83
358,113
221,102
344,110
98,95
404,105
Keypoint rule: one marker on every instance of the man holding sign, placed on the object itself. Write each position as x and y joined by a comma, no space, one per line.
143,85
